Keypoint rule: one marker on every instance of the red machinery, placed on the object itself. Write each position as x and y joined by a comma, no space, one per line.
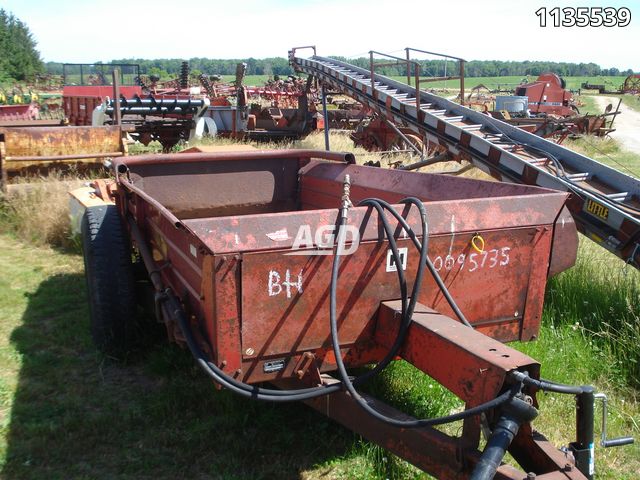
11,113
631,84
238,247
167,115
548,95
87,86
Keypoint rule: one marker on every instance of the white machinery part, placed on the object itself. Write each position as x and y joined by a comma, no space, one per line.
205,127
99,114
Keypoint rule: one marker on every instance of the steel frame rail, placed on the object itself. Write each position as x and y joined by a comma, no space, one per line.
605,202
469,364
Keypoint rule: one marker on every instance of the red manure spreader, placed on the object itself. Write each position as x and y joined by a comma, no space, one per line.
282,270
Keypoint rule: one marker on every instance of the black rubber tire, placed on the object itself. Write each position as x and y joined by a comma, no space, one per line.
110,279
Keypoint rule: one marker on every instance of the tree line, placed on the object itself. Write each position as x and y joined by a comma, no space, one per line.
492,68
167,68
19,59
170,68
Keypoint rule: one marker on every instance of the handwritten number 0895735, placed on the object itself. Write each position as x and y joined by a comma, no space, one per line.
496,257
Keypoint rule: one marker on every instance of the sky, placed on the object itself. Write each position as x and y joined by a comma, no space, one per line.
98,30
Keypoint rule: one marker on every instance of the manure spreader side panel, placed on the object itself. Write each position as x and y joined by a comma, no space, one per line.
252,254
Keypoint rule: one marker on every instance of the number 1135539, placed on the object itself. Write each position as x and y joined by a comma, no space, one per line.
584,17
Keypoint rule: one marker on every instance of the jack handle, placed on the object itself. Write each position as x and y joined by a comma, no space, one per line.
582,449
614,442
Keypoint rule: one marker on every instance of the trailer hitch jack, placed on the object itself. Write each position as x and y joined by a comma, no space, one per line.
583,448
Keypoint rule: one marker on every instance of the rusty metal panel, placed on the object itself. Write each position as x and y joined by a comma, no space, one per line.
278,230
541,248
468,363
563,247
43,146
79,101
226,325
285,297
192,190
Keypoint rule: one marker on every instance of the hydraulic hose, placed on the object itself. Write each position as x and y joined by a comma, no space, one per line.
547,385
348,384
434,273
248,391
406,309
512,415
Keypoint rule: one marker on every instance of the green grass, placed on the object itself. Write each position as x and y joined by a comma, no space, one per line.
591,326
632,101
601,296
587,104
68,412
608,151
573,83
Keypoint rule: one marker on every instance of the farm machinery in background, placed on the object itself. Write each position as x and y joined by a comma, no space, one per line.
99,98
605,202
20,106
84,140
112,94
631,86
545,108
547,95
279,110
179,110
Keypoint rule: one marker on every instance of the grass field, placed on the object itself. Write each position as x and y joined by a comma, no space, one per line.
68,412
632,101
587,103
509,82
607,151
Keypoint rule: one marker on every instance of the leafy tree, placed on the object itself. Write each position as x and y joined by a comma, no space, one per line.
19,58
